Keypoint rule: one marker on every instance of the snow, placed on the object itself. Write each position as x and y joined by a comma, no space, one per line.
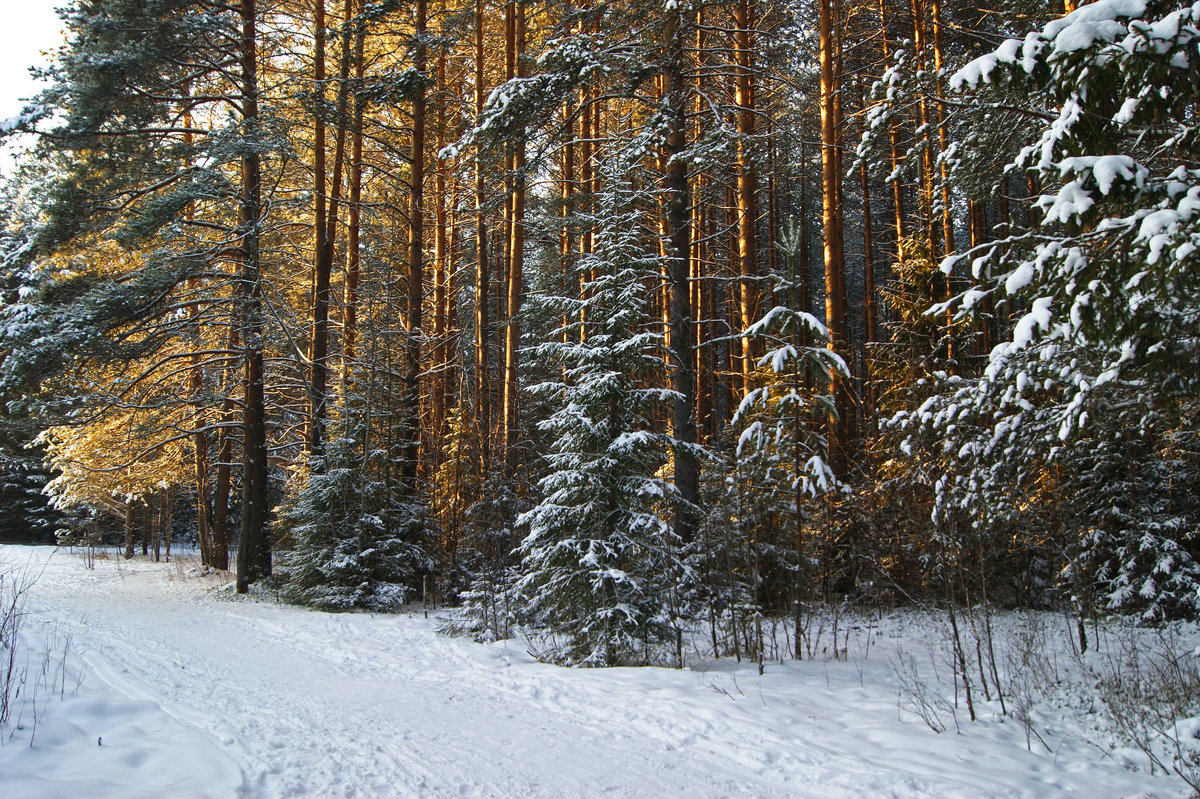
29,114
177,688
1081,29
1021,277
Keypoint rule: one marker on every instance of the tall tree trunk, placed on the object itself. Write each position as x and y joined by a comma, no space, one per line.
920,46
943,131
196,389
503,242
416,282
254,551
321,267
944,173
868,243
803,300
353,223
482,403
747,209
319,384
567,189
441,272
831,216
773,218
516,265
679,237
868,302
586,234
868,262
225,439
894,141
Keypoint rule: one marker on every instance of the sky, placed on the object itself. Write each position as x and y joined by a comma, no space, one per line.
30,29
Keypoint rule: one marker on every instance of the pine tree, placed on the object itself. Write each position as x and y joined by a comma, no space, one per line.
137,213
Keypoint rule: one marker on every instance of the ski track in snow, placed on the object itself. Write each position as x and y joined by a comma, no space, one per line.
197,693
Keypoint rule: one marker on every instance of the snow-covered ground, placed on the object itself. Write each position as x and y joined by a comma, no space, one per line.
174,687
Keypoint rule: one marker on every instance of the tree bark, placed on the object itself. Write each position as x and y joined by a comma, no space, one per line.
894,141
944,173
441,271
831,217
254,551
321,265
130,524
747,208
354,221
196,389
512,339
223,483
416,274
482,403
679,238
323,269
567,188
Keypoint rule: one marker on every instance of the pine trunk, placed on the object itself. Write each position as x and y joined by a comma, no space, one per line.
254,552
416,283
679,237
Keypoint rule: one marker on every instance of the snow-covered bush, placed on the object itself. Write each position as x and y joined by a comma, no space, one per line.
353,547
1134,541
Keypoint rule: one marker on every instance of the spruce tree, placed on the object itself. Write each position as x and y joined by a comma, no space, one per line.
1102,292
601,566
352,545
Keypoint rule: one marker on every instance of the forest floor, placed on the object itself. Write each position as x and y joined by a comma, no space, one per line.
156,680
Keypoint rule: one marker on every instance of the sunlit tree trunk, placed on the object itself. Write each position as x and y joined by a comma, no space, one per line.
354,220
441,270
516,264
566,241
831,216
319,383
747,207
943,145
894,141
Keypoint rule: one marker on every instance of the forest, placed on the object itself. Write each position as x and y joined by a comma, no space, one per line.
622,323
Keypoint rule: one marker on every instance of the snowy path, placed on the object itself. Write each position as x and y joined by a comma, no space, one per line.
195,693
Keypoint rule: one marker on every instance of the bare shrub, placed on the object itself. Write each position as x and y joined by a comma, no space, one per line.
1149,683
14,586
919,696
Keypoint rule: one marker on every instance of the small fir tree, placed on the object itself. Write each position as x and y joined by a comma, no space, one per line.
600,565
353,546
